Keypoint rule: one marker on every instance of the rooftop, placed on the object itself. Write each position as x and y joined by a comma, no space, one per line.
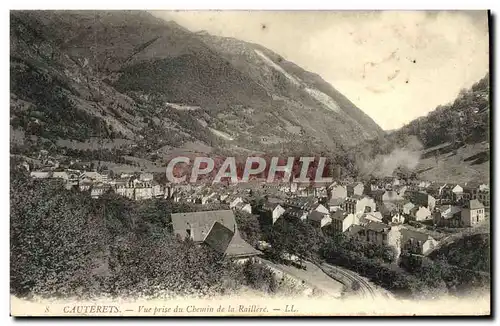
474,204
200,224
339,215
377,226
411,234
317,216
336,201
219,237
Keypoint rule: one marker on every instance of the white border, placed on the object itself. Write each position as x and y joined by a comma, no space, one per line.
190,4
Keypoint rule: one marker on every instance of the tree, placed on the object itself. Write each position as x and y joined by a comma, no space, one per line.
53,240
248,226
259,276
292,236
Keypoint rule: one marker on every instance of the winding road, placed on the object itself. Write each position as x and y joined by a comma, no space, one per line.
347,277
314,276
332,280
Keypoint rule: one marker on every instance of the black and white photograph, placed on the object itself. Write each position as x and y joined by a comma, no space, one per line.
250,163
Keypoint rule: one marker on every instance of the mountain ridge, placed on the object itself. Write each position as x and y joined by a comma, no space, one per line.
133,76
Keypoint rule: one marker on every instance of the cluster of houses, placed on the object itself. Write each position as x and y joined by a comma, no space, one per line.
131,185
387,211
381,212
142,186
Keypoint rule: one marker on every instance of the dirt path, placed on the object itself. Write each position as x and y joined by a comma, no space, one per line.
313,276
366,288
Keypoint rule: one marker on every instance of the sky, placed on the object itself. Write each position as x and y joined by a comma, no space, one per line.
394,65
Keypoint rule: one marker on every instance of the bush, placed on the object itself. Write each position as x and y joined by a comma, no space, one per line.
248,226
54,239
259,276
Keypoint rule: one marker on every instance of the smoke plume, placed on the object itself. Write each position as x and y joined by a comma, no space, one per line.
406,158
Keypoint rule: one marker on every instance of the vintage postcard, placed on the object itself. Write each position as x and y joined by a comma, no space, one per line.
249,163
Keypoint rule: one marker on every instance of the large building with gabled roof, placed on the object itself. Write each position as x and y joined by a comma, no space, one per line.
198,225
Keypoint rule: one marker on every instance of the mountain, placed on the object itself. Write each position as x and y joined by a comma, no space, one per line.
127,77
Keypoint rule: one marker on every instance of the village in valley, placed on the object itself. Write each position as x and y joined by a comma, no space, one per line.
411,216
155,158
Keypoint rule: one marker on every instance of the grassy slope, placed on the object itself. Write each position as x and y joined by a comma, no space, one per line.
470,163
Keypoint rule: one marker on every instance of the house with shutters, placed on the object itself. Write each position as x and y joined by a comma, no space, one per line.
359,205
341,221
416,242
483,196
399,237
377,232
473,213
471,190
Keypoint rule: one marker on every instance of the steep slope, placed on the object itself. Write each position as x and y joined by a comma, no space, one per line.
450,144
120,74
465,120
300,91
455,138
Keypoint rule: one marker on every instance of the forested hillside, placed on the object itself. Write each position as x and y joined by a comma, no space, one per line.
466,120
450,144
